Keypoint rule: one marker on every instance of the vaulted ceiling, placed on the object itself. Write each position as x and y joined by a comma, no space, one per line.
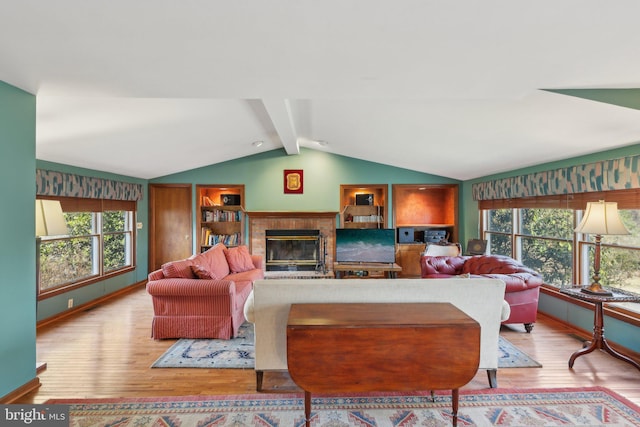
459,89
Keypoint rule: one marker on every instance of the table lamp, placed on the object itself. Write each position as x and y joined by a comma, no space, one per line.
600,218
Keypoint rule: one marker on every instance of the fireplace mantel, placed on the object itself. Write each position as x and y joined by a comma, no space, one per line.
260,221
291,214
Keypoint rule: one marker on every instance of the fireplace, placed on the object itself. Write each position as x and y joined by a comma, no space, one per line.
294,250
291,223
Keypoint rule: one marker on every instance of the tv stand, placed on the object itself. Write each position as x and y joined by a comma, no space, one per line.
390,270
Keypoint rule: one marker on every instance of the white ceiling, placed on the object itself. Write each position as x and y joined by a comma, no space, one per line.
147,88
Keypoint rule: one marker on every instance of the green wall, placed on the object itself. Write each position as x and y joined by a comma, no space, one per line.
55,305
17,238
262,175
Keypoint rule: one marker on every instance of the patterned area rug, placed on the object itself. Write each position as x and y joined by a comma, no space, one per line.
492,407
511,356
239,353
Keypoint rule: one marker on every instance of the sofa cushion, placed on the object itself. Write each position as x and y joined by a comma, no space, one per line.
178,269
494,264
214,261
200,272
239,259
442,266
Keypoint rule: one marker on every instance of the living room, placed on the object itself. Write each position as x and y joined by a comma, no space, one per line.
260,171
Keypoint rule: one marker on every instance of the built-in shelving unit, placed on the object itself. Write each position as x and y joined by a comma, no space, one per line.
363,205
221,215
422,213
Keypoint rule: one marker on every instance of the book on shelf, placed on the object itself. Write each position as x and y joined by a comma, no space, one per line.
226,239
206,201
221,216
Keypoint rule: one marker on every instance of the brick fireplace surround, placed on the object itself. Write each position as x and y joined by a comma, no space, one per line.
260,221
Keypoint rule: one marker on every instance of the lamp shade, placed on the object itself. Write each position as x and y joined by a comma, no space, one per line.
601,218
50,219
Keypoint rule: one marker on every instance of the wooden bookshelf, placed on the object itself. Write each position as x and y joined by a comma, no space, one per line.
355,215
221,215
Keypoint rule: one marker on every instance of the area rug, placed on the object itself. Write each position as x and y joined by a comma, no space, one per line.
239,352
510,356
596,406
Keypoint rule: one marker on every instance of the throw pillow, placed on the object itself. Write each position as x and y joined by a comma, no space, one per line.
239,259
201,272
214,261
178,269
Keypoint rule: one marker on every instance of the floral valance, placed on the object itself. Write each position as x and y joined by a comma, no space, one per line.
50,183
606,175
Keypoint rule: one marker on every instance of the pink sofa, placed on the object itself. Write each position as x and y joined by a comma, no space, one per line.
523,284
203,296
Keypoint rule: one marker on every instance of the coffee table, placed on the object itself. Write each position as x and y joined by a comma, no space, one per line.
360,347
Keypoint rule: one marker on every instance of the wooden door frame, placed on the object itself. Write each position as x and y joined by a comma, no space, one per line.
152,225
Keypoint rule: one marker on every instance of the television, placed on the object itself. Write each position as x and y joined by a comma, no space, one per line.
366,245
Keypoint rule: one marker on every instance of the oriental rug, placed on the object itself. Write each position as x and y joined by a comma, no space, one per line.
239,352
596,406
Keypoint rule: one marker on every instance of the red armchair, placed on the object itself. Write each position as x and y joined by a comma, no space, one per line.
522,283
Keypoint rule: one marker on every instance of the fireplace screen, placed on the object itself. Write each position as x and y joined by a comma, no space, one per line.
294,250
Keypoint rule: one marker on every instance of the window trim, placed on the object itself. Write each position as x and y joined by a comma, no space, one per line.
626,199
77,204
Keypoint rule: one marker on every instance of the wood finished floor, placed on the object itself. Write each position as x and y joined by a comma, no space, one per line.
107,352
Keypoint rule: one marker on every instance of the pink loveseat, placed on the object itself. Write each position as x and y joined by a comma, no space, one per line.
523,283
203,296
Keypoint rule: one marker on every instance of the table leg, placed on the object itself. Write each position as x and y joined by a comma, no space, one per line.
599,341
307,408
454,404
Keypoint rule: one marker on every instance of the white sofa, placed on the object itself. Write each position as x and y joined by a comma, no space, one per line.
267,307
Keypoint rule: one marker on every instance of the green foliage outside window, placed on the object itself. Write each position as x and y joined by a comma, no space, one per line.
76,257
545,238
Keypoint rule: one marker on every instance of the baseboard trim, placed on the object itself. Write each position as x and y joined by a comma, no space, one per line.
91,304
21,391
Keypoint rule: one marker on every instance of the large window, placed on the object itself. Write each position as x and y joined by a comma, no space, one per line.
99,243
543,238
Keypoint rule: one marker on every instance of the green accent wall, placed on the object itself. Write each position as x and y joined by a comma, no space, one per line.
263,177
57,304
17,238
627,97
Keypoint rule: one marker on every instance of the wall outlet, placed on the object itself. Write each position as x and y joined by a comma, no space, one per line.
70,303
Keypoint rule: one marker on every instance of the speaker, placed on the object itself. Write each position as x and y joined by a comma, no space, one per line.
230,199
364,199
405,235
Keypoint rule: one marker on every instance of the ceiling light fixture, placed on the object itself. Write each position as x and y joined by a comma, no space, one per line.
257,144
322,143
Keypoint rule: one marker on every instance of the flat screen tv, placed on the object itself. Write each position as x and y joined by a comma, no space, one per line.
366,245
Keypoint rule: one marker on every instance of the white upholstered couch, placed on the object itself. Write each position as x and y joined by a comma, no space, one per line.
267,307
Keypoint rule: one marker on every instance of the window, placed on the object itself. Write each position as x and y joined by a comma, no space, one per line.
539,233
619,256
99,244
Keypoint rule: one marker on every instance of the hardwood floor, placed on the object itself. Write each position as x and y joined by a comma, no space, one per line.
107,351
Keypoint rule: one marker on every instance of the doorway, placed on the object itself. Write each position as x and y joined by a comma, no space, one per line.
170,223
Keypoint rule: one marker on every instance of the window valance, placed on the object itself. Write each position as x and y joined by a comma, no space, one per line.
606,175
51,183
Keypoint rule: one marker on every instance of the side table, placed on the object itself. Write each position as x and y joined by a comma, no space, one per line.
599,341
352,347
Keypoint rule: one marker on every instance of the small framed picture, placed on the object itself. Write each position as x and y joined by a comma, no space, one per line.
293,181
